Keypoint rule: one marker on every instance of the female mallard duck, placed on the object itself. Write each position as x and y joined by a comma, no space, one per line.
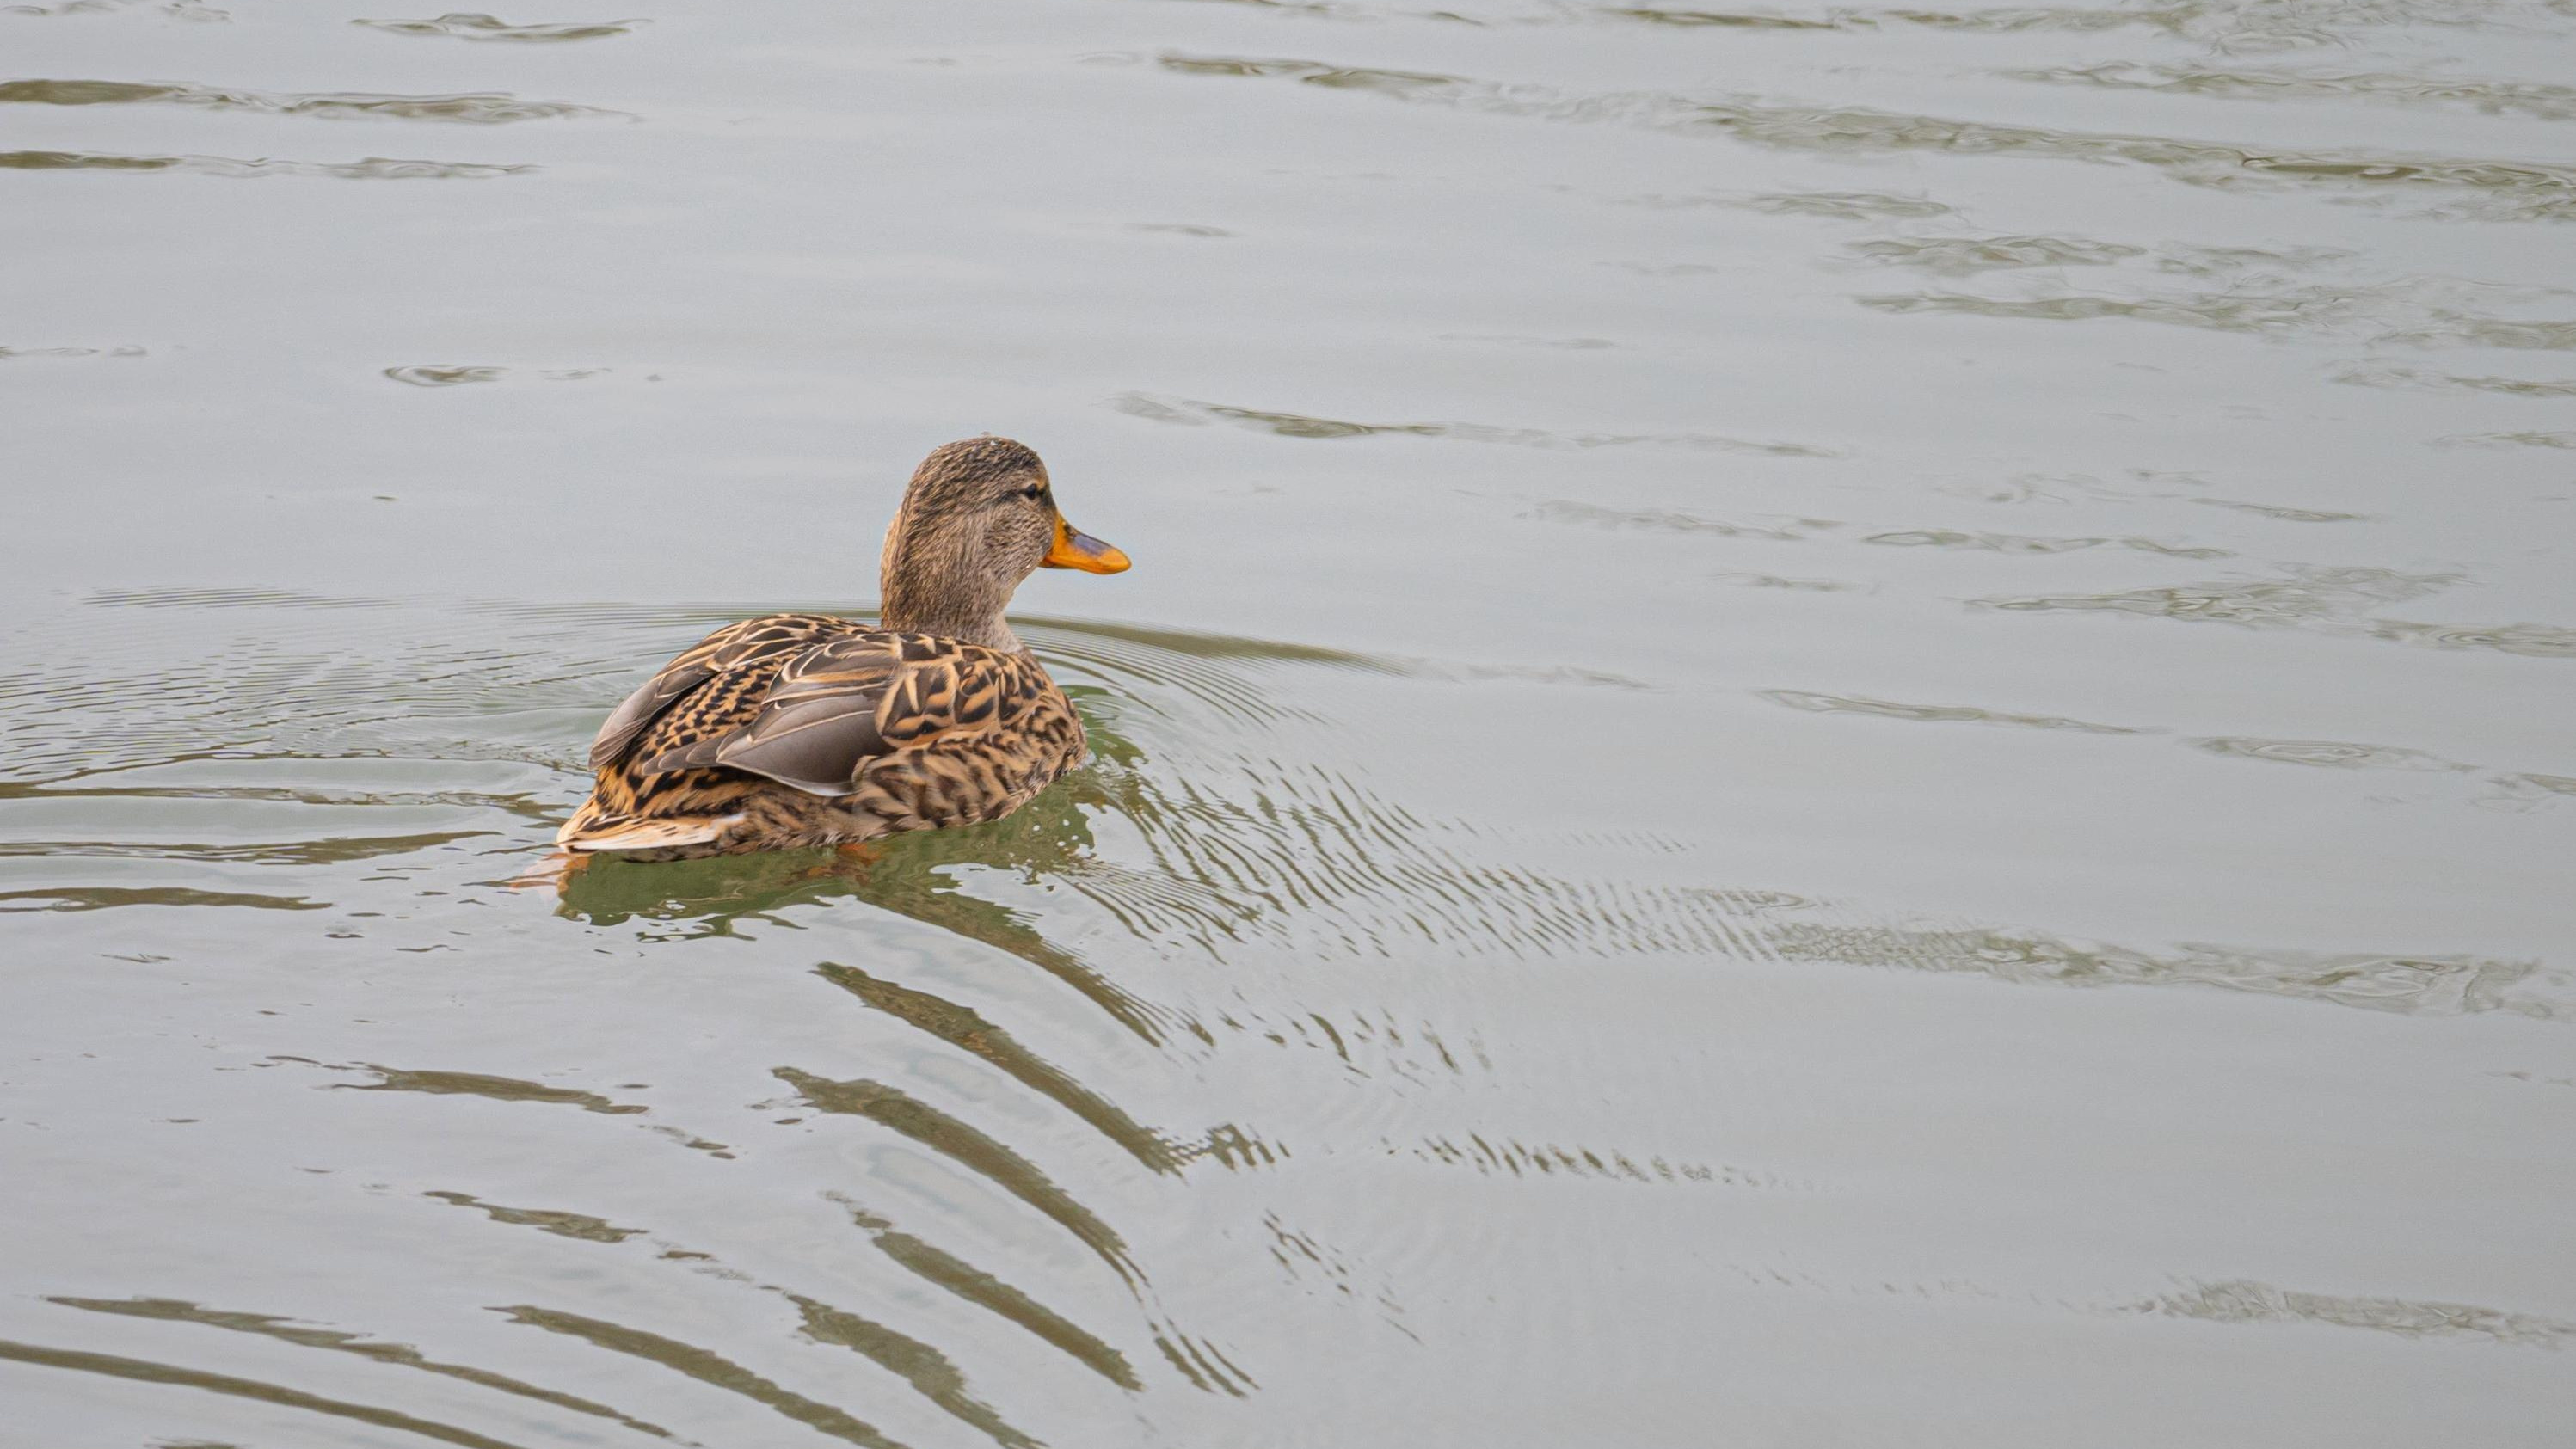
803,729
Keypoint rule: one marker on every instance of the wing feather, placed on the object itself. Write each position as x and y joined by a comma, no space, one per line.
732,647
831,707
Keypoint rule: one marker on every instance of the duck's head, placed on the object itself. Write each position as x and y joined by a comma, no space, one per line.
978,517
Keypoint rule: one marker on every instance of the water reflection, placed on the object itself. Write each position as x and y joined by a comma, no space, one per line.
706,1367
266,1325
146,1371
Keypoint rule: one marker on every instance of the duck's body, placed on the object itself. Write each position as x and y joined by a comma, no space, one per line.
798,730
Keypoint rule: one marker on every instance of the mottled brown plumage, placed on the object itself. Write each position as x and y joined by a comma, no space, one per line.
805,729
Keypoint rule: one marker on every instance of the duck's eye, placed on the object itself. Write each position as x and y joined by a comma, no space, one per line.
1033,493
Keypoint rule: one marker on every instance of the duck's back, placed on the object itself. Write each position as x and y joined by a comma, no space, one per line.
807,729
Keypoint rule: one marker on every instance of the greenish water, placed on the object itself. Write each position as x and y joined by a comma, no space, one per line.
1836,726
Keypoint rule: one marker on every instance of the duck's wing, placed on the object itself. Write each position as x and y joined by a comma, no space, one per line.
836,705
733,649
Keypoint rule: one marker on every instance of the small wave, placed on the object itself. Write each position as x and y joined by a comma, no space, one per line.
2244,1301
425,375
2465,187
2332,596
2284,514
705,1366
1815,703
942,1269
372,168
2290,311
2485,97
1961,256
1790,530
2532,641
148,1371
2324,754
1835,205
2326,600
2508,440
401,1355
2427,985
1298,425
2023,543
469,25
2226,26
2422,379
477,108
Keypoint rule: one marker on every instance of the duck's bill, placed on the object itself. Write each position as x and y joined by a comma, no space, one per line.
1075,549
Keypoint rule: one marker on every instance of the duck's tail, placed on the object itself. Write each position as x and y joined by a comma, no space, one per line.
593,829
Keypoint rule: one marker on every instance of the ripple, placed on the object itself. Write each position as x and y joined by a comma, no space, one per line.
469,25
1790,530
1967,255
2276,314
2324,754
1561,344
449,374
2419,378
2226,26
424,375
930,1372
1837,205
2528,791
2286,515
478,1084
1815,703
707,1367
1776,581
2532,641
403,1355
478,108
2312,597
965,1028
2497,189
1504,1156
2454,330
2486,97
2243,1301
147,1371
2439,986
372,168
125,351
102,898
2508,440
1297,425
2020,543
971,1148
2324,600
945,1270
579,1226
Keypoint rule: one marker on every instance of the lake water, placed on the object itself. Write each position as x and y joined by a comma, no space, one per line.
1836,726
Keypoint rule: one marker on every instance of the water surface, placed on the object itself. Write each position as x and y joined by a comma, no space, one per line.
1837,726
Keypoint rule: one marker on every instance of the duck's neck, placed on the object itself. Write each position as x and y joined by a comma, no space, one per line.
944,587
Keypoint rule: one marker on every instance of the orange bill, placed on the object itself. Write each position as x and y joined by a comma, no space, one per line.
1075,549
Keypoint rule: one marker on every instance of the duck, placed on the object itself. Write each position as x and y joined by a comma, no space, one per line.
800,730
